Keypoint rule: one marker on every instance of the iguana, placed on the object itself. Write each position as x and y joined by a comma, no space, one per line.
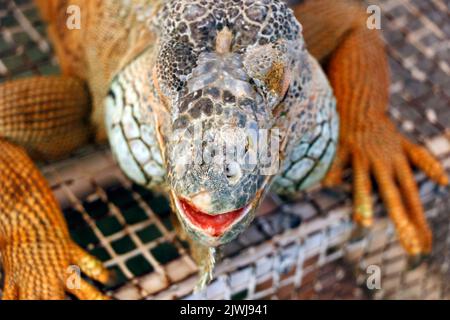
150,74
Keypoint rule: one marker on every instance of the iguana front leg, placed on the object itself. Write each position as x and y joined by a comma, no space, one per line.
358,72
46,115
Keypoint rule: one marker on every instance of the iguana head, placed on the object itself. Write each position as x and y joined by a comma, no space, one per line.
223,69
223,147
222,72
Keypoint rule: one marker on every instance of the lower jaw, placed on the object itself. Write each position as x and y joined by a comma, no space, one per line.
203,237
208,240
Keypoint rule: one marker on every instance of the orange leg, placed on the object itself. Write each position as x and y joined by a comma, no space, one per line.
45,114
34,241
358,72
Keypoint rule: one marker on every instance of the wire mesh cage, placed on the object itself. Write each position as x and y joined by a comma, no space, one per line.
305,248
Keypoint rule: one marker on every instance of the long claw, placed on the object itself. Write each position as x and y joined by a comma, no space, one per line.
362,207
425,161
410,193
407,234
90,265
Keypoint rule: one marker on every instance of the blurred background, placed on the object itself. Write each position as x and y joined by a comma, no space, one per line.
303,249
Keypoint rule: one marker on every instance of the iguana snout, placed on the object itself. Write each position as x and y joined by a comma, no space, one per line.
218,146
224,86
213,159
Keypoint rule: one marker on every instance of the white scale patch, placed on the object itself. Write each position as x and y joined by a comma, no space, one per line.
140,151
300,169
299,152
326,131
320,169
129,124
335,128
318,148
310,160
148,134
132,138
154,170
123,155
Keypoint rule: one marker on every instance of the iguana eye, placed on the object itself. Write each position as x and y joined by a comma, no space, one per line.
233,172
267,66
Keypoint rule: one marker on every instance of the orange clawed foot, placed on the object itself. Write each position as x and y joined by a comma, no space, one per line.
383,152
39,259
45,271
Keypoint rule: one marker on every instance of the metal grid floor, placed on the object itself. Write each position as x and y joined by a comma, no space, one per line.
303,249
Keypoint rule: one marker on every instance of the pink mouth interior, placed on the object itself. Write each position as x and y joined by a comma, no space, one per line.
215,225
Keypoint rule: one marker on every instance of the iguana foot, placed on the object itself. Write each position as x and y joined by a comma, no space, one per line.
377,148
39,259
54,271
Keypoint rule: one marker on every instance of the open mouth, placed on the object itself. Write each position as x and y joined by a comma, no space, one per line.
214,225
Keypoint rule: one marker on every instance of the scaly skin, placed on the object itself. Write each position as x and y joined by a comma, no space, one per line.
150,76
358,72
36,247
46,115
